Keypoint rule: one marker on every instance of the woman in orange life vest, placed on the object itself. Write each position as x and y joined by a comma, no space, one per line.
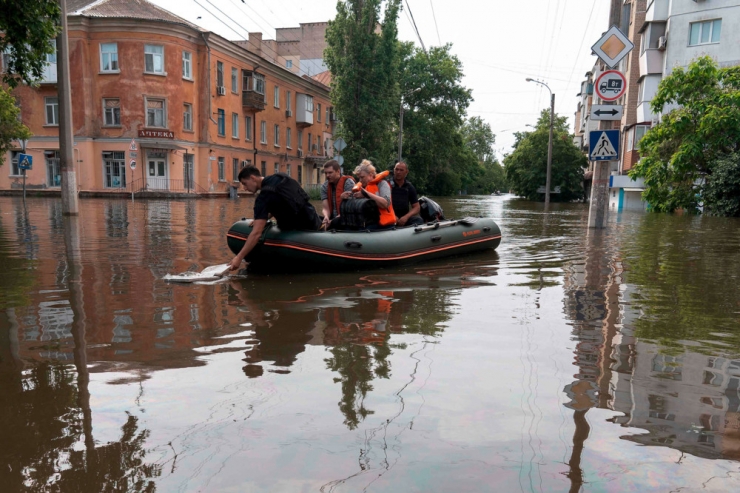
374,187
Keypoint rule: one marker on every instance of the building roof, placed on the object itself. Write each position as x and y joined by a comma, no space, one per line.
323,78
125,9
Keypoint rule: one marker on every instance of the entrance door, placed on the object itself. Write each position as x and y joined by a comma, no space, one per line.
156,176
187,172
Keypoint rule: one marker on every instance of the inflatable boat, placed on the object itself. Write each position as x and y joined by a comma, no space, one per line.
357,250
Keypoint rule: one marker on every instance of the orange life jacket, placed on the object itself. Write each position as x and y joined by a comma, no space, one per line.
387,216
336,196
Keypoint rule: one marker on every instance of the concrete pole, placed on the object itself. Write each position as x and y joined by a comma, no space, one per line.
549,152
400,132
70,205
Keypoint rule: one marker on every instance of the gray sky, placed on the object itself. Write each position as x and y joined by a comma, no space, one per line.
500,43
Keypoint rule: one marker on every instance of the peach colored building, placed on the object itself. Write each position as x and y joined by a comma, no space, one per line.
196,107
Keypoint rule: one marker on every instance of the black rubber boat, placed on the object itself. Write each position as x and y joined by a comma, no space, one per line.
357,250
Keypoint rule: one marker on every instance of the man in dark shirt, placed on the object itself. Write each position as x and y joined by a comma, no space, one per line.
404,198
283,198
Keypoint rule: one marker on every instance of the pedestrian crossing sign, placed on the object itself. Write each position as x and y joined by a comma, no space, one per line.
603,145
25,161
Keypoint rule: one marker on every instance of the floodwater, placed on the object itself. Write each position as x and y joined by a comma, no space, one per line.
567,360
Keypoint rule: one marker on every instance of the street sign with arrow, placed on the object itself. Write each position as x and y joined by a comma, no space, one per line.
607,111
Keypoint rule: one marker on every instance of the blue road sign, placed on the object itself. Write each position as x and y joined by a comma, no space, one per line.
25,161
603,145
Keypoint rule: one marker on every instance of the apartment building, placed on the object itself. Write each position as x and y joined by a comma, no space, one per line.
187,107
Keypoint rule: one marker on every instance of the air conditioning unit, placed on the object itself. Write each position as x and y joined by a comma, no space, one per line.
221,90
288,113
246,163
300,152
662,41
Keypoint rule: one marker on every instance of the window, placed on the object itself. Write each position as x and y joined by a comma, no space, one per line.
277,167
706,32
276,97
221,122
14,170
288,137
114,164
277,136
52,111
53,168
154,59
300,139
221,170
288,63
287,102
109,57
327,115
248,127
235,125
156,115
263,132
639,134
309,103
187,65
300,173
287,169
264,168
235,169
112,112
234,83
187,117
318,112
259,84
219,74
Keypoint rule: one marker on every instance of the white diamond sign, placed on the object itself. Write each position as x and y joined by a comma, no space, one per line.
612,47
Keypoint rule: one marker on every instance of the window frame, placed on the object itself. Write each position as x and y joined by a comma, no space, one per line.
221,122
277,167
258,83
54,111
234,80
153,54
221,168
636,140
288,102
187,111
108,158
116,70
276,97
219,74
187,65
263,132
318,111
288,64
264,168
248,128
235,169
113,114
288,138
14,169
702,25
276,140
164,111
234,125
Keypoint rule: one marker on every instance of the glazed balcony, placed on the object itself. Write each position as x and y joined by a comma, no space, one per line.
651,62
657,11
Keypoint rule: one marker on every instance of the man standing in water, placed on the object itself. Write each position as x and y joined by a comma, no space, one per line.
280,196
404,197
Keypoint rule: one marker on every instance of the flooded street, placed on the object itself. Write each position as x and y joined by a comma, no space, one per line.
566,360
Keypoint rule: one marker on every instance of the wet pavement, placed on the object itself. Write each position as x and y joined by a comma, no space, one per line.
566,360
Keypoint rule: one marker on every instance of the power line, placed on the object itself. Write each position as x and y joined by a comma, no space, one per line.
578,53
434,16
413,21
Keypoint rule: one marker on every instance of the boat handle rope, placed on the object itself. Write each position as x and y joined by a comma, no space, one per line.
436,238
353,244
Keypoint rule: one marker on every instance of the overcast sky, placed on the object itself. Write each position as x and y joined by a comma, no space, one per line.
499,42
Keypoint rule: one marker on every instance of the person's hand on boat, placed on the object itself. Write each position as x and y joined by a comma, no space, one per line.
235,263
401,221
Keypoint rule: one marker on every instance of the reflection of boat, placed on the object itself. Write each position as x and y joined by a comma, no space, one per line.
347,250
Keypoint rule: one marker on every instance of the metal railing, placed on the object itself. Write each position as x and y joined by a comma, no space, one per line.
165,185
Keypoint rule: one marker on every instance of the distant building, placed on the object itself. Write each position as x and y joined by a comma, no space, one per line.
197,107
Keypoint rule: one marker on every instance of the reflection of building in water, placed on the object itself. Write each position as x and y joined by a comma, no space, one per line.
687,401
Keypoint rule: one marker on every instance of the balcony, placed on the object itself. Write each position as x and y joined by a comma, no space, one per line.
651,62
657,11
303,110
252,100
644,113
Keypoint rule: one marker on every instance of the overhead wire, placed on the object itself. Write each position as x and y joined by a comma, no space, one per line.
580,48
436,27
416,28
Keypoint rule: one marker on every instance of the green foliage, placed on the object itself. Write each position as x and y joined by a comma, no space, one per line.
29,30
526,166
722,191
680,153
11,127
479,138
439,161
363,56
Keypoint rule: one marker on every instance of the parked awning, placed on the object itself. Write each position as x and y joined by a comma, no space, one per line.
170,146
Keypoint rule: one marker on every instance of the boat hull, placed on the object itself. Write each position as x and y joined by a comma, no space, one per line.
359,250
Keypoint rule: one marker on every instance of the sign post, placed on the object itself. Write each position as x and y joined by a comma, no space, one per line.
24,143
339,145
132,163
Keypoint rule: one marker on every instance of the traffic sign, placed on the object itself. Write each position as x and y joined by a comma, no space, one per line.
603,145
25,161
132,163
607,112
132,147
610,85
340,160
339,145
612,47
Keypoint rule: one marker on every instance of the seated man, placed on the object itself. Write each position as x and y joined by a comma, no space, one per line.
404,198
280,196
333,190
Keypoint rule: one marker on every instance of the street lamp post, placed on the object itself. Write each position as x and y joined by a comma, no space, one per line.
400,122
549,142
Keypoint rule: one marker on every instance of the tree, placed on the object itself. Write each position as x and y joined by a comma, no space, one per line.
439,161
11,127
722,191
479,138
526,166
29,30
680,154
363,55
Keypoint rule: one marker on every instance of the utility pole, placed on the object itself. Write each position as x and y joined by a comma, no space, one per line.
70,206
549,142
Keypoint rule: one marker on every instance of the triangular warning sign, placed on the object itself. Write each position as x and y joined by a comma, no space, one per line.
25,162
604,147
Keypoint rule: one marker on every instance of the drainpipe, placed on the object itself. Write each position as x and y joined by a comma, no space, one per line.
208,82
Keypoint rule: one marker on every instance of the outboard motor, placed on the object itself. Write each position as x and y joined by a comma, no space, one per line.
430,210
